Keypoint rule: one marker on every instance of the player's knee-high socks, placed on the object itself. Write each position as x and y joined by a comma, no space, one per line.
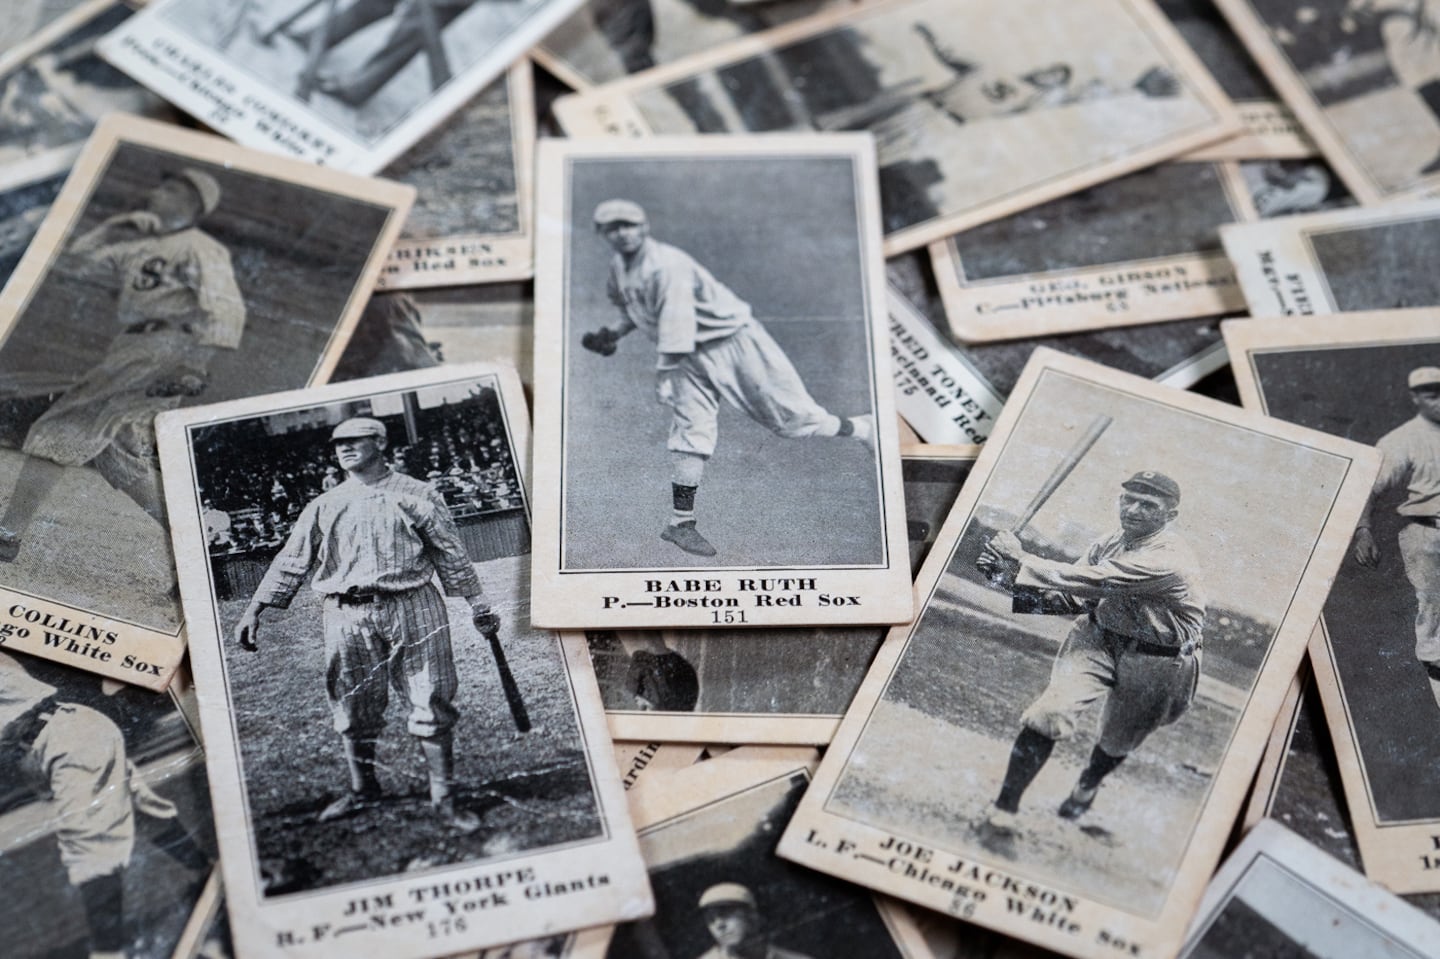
104,900
1027,757
439,752
1101,765
686,469
1430,93
360,758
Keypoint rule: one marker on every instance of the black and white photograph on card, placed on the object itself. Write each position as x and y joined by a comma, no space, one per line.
22,210
105,815
25,18
1293,187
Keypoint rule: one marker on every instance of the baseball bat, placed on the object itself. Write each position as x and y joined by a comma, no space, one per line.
507,683
1063,470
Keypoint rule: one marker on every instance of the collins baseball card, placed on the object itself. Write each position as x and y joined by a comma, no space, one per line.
173,268
471,222
1110,617
1339,261
350,85
782,685
716,430
441,779
979,108
1376,651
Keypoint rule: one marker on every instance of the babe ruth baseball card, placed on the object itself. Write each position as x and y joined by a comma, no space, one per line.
1376,650
349,85
1363,77
473,213
781,685
708,835
1277,895
106,835
1339,261
402,767
1110,617
174,268
715,417
979,108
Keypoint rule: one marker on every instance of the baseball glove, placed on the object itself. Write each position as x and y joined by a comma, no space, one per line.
602,341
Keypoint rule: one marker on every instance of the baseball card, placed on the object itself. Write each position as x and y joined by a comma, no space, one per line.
783,685
442,779
174,268
106,836
1277,895
25,18
716,430
1376,650
351,85
1339,261
471,222
1291,188
54,87
1363,77
1058,746
640,761
708,835
22,210
979,108
940,394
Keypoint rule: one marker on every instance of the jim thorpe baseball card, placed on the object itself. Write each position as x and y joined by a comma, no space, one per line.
1376,654
1339,261
1363,77
1117,540
979,108
442,778
473,213
350,85
106,835
716,430
783,685
173,268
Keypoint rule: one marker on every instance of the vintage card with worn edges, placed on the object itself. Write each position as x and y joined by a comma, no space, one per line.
979,108
442,778
938,391
1120,541
1364,80
716,430
1376,651
1279,895
1339,261
174,268
349,86
708,834
782,685
473,213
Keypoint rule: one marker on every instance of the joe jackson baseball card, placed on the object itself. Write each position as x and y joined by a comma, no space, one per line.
349,85
979,108
1339,261
403,766
1109,620
173,268
471,222
1363,77
782,685
1376,651
716,431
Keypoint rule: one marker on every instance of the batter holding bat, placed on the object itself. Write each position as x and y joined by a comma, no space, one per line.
375,542
1136,643
710,347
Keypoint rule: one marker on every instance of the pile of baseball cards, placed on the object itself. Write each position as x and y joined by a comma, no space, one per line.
719,479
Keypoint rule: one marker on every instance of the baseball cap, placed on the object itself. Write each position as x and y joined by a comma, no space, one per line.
357,427
726,892
1424,376
1158,484
204,186
618,211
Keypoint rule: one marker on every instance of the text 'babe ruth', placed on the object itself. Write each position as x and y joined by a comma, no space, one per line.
1137,642
1411,459
710,348
375,542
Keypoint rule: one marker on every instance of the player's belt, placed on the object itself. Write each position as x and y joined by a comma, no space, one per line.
1132,645
1431,521
354,597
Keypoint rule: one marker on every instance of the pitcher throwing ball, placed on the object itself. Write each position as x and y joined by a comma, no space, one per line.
709,347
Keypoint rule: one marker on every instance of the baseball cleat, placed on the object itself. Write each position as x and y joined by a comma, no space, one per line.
865,429
1077,803
348,805
457,819
688,538
1001,822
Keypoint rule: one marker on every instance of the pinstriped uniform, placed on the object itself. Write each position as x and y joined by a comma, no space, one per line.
386,539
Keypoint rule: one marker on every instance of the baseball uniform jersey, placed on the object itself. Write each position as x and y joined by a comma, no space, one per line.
1410,457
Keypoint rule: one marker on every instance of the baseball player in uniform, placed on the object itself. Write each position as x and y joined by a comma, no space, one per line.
709,347
374,543
177,306
1411,459
1136,643
736,926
